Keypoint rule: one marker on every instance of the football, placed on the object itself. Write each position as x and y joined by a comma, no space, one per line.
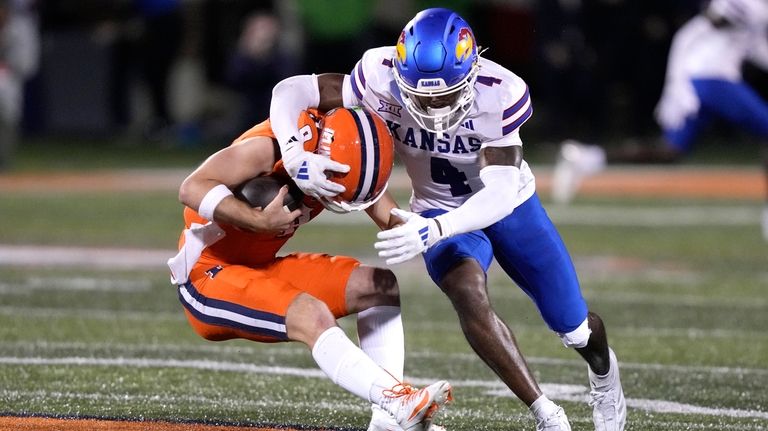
260,191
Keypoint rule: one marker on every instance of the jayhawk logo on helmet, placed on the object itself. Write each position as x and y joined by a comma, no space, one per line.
359,138
464,45
401,47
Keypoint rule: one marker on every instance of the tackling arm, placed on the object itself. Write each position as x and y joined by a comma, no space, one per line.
501,176
290,97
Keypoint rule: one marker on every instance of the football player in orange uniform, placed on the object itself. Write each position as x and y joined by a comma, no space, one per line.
233,284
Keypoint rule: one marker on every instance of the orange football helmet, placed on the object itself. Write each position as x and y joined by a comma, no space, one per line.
359,138
308,127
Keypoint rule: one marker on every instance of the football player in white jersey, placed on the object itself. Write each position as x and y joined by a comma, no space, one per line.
703,82
455,118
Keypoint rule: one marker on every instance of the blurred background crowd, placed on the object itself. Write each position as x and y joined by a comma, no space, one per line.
191,72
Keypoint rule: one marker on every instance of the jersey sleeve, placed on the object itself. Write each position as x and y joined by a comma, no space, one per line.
357,81
517,113
368,71
505,100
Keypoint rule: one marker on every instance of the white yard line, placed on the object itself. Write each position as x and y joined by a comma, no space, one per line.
91,313
575,393
290,349
92,257
35,283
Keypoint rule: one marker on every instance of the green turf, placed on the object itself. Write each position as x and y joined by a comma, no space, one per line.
685,307
155,367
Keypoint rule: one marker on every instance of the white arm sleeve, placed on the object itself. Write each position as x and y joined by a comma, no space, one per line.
290,97
494,202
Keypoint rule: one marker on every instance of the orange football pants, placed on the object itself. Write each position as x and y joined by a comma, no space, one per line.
223,301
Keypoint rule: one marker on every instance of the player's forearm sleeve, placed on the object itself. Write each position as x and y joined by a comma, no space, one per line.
494,202
290,97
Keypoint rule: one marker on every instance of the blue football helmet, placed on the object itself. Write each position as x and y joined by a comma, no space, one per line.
436,65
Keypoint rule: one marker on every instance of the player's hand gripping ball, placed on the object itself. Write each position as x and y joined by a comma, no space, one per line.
260,191
359,138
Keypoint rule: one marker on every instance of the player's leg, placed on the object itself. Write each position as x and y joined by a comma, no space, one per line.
742,106
348,287
735,102
671,147
458,266
529,249
373,294
241,302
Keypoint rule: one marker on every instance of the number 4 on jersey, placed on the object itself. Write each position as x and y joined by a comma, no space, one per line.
443,172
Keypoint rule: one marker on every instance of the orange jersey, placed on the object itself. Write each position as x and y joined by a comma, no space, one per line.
248,248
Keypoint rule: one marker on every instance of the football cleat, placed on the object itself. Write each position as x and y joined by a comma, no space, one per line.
359,138
435,68
383,421
575,161
557,421
609,408
414,409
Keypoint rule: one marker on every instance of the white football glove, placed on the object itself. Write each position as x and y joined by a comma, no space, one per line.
407,240
308,171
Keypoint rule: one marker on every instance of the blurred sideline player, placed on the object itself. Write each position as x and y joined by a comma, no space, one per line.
455,118
703,82
232,284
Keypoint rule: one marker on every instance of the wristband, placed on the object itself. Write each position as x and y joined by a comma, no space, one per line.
212,199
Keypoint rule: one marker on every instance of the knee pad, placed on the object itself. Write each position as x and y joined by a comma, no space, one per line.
577,338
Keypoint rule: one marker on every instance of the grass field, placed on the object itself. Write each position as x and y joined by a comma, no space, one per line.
683,295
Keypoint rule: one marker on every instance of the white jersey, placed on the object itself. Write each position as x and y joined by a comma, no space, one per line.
701,50
444,168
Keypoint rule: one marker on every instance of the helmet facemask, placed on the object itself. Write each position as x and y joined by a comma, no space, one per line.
343,207
438,108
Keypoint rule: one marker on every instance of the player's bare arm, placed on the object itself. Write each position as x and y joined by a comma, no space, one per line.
381,212
330,91
232,166
502,156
